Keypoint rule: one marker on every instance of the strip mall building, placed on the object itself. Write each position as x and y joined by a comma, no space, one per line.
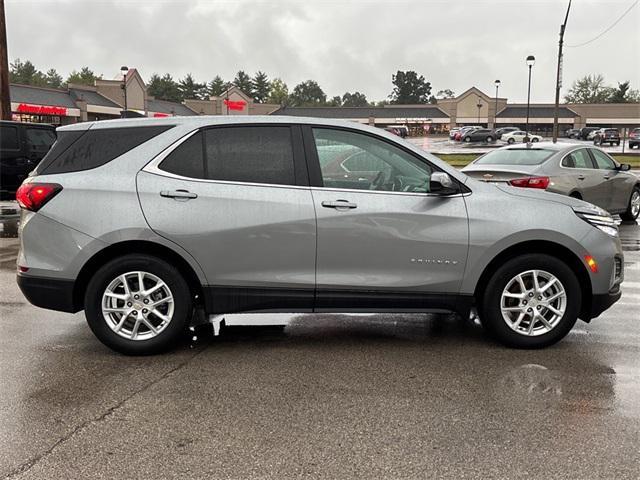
105,100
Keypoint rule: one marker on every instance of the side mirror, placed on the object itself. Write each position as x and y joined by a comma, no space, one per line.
624,167
442,184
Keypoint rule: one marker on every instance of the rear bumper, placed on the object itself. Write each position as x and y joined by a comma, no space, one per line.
50,293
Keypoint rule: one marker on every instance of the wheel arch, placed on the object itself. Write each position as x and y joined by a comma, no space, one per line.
128,247
548,248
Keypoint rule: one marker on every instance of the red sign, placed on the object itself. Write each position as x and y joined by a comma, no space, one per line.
160,115
235,105
41,110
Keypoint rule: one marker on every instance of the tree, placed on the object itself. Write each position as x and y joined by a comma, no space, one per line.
53,79
409,88
308,93
355,99
260,86
84,77
588,89
190,89
335,101
164,88
217,86
278,92
623,94
243,82
446,93
25,73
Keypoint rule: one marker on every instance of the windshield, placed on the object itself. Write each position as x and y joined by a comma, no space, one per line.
515,156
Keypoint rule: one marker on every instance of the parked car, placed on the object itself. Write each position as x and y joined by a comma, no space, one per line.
592,134
634,138
572,133
586,131
393,130
586,173
502,130
519,137
607,135
459,134
403,130
162,218
22,146
479,135
452,132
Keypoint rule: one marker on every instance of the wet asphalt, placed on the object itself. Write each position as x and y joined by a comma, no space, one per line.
330,396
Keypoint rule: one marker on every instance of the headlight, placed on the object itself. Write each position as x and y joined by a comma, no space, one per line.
599,218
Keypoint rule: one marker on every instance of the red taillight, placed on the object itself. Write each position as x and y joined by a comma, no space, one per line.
531,182
32,196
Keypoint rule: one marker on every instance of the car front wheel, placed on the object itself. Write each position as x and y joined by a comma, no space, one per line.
531,301
138,304
510,141
534,140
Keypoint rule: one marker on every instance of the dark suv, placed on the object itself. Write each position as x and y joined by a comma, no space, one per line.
585,131
634,138
607,135
22,146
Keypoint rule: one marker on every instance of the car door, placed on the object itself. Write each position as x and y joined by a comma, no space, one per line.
586,180
235,199
387,242
616,185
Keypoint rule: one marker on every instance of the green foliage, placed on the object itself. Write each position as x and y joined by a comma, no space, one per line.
260,87
623,94
164,88
243,82
190,89
217,86
278,92
588,89
355,99
53,79
308,93
25,73
409,88
335,101
84,77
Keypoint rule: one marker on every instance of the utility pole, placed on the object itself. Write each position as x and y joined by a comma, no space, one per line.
5,97
559,76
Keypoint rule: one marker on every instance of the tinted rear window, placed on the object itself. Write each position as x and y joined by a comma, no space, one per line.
187,160
515,156
93,148
40,139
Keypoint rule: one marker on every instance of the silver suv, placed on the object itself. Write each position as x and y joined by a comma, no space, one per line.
154,225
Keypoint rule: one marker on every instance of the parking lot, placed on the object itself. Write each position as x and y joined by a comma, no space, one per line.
331,396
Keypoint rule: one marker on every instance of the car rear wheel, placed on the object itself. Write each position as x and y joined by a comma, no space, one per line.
489,139
633,209
534,140
467,139
138,304
531,301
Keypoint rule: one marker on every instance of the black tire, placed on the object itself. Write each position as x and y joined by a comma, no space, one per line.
511,141
489,139
467,139
534,140
161,269
489,305
628,216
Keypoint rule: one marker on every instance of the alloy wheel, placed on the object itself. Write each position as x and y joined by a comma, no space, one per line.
533,302
137,305
635,203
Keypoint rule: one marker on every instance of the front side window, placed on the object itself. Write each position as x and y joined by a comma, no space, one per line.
356,161
40,139
253,154
603,161
578,159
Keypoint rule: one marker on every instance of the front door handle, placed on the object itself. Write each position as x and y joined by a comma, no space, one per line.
178,194
606,177
581,177
339,204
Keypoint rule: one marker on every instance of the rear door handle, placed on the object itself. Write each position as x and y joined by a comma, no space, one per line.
339,204
581,177
178,194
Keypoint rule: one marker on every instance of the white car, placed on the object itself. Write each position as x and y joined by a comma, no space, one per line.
519,136
593,134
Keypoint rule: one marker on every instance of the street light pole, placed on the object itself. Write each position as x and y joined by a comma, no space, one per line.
495,114
559,76
124,69
531,60
5,95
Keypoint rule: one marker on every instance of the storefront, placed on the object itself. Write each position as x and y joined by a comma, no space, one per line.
51,114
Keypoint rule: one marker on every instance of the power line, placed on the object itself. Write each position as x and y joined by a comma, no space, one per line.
608,28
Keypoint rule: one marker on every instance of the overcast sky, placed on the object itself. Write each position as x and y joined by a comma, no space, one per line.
345,46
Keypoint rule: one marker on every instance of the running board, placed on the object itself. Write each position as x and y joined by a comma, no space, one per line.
248,319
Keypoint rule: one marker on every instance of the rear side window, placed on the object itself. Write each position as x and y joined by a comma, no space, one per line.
93,148
515,156
254,154
578,159
9,138
186,159
40,139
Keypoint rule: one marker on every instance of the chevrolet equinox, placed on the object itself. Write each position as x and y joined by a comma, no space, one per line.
154,225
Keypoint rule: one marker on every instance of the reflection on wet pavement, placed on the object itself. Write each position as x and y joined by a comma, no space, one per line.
329,396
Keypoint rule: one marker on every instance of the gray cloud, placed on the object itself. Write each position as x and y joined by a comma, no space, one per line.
345,46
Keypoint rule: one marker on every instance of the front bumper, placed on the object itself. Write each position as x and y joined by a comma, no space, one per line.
599,303
50,293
